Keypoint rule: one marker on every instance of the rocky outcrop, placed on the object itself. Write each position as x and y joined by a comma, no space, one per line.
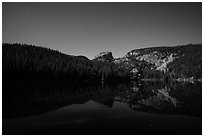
104,56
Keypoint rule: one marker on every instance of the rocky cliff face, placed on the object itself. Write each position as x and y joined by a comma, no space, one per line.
179,61
104,56
154,59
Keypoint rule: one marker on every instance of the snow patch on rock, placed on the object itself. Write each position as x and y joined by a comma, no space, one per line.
134,70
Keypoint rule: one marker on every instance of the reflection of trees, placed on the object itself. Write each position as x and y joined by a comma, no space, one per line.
160,100
149,96
142,96
34,100
169,98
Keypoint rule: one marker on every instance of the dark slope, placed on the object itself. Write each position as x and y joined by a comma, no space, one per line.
31,63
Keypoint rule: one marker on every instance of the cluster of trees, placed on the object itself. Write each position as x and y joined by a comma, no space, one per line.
155,74
189,63
29,62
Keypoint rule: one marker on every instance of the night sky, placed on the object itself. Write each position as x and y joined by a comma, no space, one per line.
90,28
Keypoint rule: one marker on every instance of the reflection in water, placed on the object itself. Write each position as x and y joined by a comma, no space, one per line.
160,100
68,104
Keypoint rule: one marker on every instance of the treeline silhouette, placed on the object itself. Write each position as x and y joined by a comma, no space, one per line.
22,62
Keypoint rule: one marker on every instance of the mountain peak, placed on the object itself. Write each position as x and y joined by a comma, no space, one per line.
104,56
103,53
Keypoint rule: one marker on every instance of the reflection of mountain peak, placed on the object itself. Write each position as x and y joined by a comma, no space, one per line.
106,102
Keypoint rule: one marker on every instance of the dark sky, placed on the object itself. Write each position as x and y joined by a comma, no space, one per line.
90,28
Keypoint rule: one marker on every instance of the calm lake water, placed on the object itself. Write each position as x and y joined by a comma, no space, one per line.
136,108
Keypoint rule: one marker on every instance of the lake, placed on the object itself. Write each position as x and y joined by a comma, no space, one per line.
139,107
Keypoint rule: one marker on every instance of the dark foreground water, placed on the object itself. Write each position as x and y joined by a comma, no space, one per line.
134,108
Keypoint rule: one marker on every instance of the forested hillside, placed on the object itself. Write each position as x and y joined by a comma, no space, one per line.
29,63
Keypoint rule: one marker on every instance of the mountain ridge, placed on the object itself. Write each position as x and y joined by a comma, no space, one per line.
163,59
162,63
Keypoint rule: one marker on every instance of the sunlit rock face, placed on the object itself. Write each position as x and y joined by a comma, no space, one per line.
135,58
157,60
104,56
